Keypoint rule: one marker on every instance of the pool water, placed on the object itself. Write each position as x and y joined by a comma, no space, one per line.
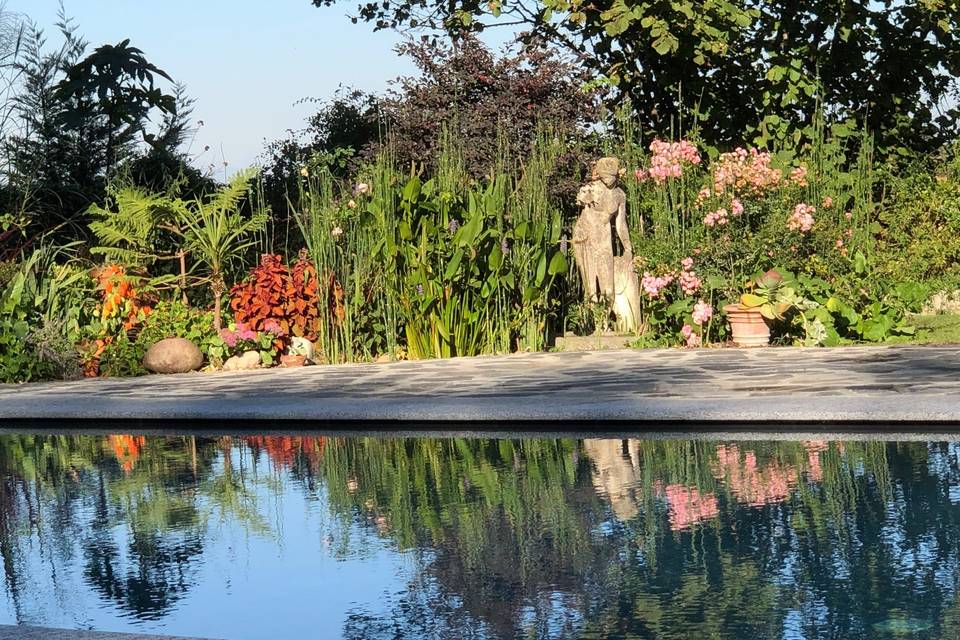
423,537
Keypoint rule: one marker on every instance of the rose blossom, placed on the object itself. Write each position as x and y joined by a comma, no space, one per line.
702,312
802,218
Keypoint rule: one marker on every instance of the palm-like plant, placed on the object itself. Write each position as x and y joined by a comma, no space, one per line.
217,233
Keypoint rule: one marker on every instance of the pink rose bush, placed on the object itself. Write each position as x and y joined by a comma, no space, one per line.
668,301
654,286
802,218
743,171
668,159
702,312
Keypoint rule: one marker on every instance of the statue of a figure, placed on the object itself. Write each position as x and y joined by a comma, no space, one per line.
604,274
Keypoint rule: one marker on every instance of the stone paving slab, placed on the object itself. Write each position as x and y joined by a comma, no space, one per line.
901,384
42,633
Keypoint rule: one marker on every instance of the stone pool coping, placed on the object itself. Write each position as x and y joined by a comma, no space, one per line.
9,632
895,385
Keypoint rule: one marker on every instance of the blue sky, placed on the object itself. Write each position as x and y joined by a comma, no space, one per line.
246,62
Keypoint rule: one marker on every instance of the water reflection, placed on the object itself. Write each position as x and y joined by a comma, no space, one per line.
264,537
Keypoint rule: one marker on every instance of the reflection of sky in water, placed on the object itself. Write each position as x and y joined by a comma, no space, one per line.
466,538
304,573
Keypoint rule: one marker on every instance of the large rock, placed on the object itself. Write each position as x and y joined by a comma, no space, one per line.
173,355
249,360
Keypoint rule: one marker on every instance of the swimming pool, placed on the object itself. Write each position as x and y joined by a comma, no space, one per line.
310,535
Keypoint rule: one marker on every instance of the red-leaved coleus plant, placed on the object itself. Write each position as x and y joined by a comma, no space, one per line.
279,299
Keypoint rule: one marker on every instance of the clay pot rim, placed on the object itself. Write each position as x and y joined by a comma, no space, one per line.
736,307
293,359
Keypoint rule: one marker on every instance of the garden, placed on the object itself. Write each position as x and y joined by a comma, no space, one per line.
437,220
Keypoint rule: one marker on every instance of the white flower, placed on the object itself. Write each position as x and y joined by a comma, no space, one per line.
336,232
362,188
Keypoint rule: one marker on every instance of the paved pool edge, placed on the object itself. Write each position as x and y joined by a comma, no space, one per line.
10,632
891,385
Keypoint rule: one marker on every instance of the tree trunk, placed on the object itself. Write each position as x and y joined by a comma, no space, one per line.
217,288
183,276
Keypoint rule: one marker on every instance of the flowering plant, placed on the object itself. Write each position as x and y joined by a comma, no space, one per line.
238,338
279,300
676,304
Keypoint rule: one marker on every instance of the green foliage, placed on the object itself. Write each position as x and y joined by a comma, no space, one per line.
75,120
752,65
131,225
217,233
918,231
447,266
42,297
173,319
122,79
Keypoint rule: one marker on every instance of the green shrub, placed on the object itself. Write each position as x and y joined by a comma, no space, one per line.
918,235
46,294
169,319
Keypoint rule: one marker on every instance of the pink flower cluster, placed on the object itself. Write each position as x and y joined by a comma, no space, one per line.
702,312
744,170
272,326
689,282
736,207
692,337
802,218
799,176
240,332
716,218
668,160
653,285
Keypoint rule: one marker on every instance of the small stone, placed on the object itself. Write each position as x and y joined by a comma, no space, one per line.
302,347
249,360
173,355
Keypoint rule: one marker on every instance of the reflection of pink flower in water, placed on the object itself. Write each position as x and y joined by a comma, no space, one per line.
751,484
814,449
687,506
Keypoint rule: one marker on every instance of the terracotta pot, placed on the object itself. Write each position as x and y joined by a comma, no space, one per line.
749,327
292,360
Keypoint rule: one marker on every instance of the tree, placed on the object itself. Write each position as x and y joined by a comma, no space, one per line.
334,137
495,104
120,80
755,66
77,120
216,234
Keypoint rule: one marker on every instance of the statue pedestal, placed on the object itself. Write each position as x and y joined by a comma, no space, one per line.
601,342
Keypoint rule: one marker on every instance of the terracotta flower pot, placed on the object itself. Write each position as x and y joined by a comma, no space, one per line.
749,327
292,360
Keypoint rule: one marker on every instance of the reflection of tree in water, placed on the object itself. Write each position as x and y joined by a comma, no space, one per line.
66,490
497,524
535,538
691,539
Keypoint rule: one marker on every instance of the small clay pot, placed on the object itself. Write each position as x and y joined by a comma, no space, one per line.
288,361
749,327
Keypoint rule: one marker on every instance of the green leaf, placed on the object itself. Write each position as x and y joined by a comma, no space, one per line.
558,264
453,265
412,189
541,270
751,300
860,263
495,259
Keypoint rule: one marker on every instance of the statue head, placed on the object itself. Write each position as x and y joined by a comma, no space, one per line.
607,170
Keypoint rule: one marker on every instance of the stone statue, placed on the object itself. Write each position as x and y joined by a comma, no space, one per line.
606,276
